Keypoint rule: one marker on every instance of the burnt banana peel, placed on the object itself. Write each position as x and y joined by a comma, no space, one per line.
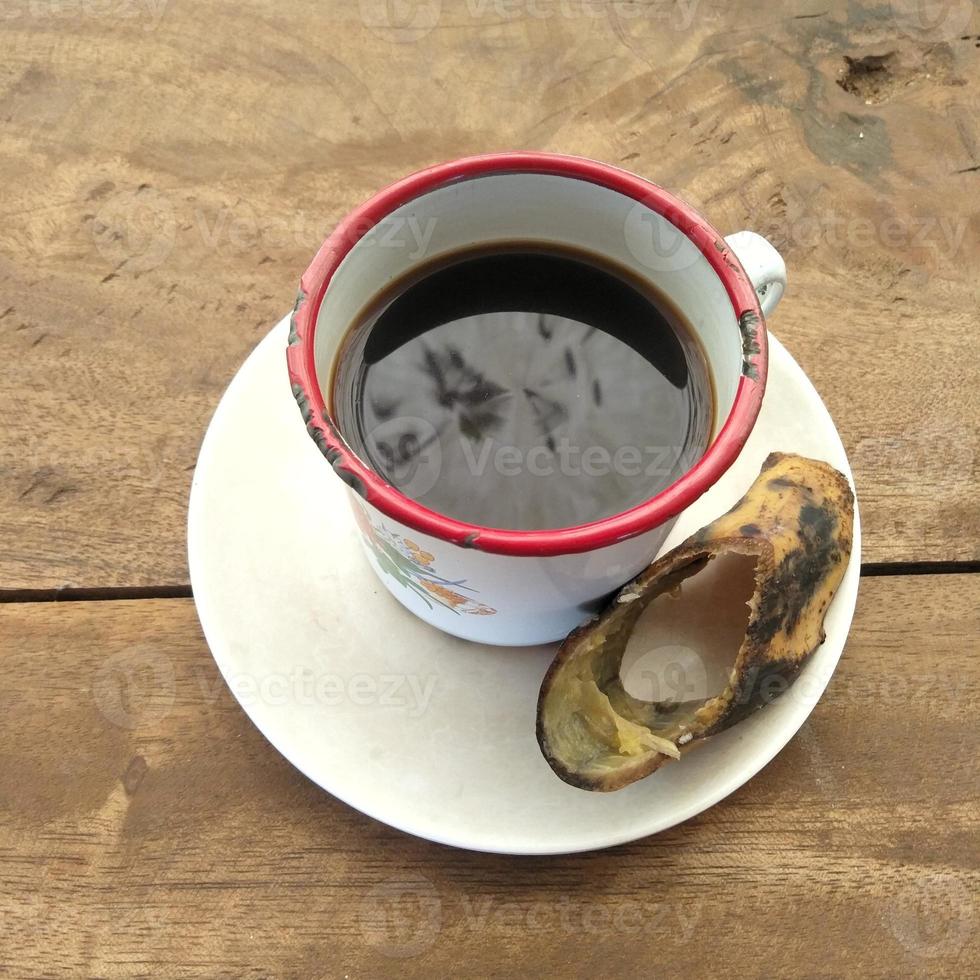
796,522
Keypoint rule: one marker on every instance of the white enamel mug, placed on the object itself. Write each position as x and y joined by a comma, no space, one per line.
527,587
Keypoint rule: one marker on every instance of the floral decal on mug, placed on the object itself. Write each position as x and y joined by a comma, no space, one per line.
412,567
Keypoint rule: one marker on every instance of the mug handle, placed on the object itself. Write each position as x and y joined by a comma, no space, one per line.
764,266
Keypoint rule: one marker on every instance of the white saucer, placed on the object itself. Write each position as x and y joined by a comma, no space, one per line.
432,734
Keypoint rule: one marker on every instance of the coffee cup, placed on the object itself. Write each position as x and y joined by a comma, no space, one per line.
503,585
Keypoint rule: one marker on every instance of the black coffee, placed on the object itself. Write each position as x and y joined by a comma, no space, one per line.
524,387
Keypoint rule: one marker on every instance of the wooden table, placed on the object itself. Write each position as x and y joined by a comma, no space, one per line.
167,171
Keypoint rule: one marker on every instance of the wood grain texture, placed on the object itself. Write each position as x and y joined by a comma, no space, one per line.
168,170
147,829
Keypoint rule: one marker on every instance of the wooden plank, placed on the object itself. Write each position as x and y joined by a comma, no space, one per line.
147,829
168,174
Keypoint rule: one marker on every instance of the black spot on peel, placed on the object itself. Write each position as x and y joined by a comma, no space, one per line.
817,517
758,685
750,530
798,575
781,483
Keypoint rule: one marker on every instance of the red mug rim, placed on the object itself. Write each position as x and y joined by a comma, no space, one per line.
568,540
